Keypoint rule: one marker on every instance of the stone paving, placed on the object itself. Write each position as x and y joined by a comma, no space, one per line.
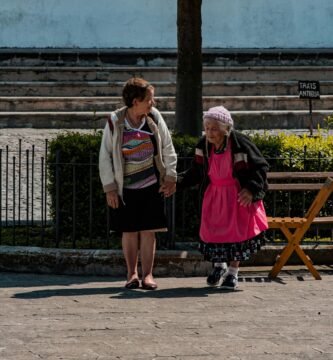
31,136
57,317
10,137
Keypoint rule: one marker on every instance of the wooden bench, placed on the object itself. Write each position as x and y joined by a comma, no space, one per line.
294,228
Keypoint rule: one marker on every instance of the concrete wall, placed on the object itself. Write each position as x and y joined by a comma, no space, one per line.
87,23
268,23
152,23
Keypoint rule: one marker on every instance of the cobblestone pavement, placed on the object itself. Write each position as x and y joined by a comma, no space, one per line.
70,317
31,136
10,137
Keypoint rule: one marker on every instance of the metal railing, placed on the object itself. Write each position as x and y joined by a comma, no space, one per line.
23,182
33,210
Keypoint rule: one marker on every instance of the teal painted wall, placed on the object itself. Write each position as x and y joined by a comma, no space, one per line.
88,23
268,23
152,23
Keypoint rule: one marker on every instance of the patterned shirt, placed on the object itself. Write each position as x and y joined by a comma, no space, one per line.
138,153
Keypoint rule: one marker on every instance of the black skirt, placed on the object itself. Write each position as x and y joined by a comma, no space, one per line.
227,252
143,209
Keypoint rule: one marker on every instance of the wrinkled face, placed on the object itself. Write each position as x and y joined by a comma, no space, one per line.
144,106
215,131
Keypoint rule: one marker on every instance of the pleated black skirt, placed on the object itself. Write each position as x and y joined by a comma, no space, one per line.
142,210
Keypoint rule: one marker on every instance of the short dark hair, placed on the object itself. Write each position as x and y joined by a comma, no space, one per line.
135,88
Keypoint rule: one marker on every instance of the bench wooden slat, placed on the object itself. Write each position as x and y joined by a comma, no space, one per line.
323,220
295,187
299,175
290,222
296,222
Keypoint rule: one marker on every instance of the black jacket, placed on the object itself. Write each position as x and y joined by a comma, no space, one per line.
249,166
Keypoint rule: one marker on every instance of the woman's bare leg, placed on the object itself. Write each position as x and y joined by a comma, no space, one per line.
147,254
130,243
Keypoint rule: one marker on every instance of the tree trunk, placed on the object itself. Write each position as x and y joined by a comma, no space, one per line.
189,68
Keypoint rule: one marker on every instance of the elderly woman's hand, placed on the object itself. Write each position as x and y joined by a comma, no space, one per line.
245,197
168,188
112,199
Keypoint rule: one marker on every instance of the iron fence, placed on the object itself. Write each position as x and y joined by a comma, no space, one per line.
33,210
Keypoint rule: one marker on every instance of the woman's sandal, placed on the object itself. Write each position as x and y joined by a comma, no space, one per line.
148,286
133,284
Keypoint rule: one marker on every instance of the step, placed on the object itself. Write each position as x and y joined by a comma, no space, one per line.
80,73
122,73
165,103
267,102
83,103
104,88
165,57
244,120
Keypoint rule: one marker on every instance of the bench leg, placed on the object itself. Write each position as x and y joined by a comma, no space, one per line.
280,262
307,262
293,245
285,255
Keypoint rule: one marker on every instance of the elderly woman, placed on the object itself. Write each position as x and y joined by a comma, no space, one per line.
137,163
232,174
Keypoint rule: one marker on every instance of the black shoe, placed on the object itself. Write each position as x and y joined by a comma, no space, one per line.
215,276
230,282
133,284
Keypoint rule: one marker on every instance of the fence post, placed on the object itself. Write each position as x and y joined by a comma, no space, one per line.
90,198
14,203
45,180
6,185
57,179
27,195
19,181
42,201
32,183
73,163
0,196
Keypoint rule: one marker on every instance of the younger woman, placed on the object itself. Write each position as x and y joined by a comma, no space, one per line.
137,164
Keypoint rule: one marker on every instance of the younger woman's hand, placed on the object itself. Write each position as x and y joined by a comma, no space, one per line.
112,199
245,197
168,188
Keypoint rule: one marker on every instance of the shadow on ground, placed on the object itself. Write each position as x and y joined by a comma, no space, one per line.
10,279
121,293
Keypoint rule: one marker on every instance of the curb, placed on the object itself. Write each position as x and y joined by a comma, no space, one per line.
177,263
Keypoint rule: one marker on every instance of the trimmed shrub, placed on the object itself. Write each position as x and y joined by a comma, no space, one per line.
73,175
73,171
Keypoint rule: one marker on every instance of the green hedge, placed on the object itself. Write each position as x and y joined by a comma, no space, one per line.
80,151
74,157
